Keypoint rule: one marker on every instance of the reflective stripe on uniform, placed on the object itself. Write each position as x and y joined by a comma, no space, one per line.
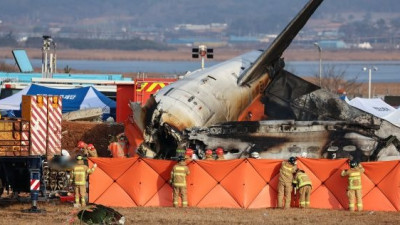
302,182
355,187
287,170
179,174
80,175
353,174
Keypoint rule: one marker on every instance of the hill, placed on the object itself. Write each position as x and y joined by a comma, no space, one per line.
260,16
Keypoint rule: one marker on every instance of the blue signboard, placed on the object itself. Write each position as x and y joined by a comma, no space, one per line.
22,60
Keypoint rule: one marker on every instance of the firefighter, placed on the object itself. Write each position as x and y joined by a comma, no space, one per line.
355,187
116,150
92,150
124,143
83,149
285,182
188,155
303,184
209,154
79,175
178,181
220,154
81,145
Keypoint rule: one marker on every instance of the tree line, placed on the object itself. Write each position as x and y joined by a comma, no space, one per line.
80,43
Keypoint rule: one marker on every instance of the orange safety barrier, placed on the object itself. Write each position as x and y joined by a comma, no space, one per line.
134,135
240,183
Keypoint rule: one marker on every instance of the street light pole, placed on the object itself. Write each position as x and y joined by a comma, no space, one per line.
370,77
320,62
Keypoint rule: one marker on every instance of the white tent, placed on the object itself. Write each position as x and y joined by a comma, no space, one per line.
73,99
393,117
374,106
378,108
13,102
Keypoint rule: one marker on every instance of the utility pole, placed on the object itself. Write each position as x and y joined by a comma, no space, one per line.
320,62
370,77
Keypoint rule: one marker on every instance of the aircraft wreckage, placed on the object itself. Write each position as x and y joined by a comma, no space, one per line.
203,110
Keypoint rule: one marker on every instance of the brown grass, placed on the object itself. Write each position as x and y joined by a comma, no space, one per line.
61,213
219,53
227,53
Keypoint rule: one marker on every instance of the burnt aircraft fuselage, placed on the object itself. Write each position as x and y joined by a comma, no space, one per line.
191,110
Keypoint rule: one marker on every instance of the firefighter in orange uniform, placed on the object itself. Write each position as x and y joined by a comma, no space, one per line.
92,150
285,187
124,143
209,155
220,154
79,175
188,155
178,181
354,190
303,183
116,150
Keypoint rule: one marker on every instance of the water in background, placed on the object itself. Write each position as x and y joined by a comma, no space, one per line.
388,71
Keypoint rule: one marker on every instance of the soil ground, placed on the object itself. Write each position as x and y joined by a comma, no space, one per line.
62,213
96,133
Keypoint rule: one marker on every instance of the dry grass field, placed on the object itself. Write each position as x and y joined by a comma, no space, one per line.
62,213
224,54
219,54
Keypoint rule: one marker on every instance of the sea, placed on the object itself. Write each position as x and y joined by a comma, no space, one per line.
386,71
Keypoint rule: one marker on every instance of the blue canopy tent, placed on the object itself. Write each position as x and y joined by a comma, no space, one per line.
73,99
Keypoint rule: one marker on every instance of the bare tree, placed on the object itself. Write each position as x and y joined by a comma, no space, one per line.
4,67
67,69
334,79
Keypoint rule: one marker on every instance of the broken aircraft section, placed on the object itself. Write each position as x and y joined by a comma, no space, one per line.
313,125
203,110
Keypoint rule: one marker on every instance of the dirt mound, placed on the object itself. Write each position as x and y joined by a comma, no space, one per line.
96,133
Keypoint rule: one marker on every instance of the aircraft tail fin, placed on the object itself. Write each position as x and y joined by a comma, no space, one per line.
276,49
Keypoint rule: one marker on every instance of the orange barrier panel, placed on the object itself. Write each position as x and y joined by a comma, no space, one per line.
240,183
134,135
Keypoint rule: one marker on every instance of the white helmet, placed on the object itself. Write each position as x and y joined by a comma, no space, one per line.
255,155
65,153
